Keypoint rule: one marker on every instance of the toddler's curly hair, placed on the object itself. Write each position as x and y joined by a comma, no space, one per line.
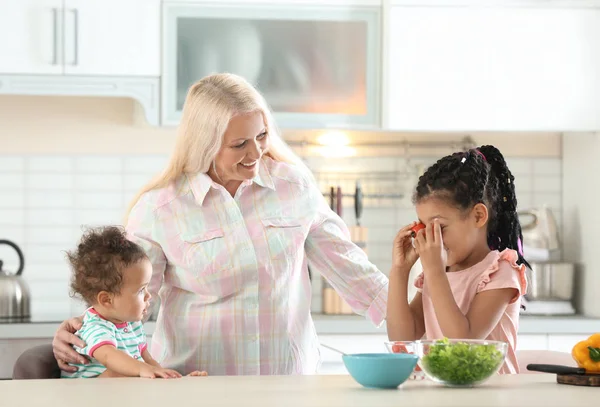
99,260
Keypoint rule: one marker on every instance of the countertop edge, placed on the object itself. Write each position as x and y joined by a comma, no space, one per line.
343,325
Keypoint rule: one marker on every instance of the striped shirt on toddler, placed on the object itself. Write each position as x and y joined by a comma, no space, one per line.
96,331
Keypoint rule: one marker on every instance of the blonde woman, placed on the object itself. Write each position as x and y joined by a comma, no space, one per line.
230,227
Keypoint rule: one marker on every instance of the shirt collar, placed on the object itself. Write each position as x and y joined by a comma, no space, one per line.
201,183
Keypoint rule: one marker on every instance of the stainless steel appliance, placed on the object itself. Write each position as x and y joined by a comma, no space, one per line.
551,289
14,292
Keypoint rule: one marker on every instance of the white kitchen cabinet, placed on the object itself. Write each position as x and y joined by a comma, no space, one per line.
30,32
112,37
493,68
316,65
80,37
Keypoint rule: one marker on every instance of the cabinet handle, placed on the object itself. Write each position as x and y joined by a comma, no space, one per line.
75,37
55,36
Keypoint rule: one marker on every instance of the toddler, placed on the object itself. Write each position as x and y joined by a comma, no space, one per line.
112,274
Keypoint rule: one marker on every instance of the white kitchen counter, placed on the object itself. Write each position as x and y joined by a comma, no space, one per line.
264,391
345,325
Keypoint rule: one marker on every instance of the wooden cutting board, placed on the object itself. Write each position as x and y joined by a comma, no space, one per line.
592,380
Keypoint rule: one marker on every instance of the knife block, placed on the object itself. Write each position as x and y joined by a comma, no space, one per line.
333,304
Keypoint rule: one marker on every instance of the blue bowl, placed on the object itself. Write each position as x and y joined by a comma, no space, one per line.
380,370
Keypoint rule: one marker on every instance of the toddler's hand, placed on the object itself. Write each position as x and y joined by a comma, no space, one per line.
198,373
404,255
152,372
430,247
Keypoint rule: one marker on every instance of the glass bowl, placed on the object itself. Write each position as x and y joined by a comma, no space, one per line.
460,362
406,347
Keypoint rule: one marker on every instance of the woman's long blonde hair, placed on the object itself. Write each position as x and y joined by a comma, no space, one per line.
210,104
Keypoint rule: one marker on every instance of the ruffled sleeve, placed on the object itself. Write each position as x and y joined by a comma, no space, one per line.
419,282
504,272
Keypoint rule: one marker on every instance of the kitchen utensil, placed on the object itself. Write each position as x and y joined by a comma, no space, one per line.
380,370
550,281
339,201
358,202
576,376
15,296
333,349
541,230
332,198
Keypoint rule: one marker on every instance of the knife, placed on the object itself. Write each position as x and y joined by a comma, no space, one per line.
557,369
358,202
339,201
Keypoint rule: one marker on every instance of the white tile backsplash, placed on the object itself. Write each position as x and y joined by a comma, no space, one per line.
99,182
547,166
12,198
47,201
11,181
12,217
547,183
144,164
50,164
63,235
43,199
49,181
93,164
11,164
99,200
50,217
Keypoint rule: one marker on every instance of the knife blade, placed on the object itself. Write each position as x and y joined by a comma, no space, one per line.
358,202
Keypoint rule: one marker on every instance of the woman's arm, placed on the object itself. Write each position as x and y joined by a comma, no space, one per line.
343,264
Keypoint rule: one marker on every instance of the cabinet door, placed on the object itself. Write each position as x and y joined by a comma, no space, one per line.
112,37
30,32
494,68
314,65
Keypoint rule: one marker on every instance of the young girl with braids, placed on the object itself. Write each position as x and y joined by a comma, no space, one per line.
471,253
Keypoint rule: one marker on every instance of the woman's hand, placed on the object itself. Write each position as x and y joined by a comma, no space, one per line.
61,345
404,255
430,247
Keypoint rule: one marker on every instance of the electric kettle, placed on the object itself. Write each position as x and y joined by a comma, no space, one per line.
15,299
541,232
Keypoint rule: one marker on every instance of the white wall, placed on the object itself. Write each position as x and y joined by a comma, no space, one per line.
68,162
581,211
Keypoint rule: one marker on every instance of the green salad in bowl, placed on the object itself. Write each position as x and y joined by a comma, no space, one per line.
461,362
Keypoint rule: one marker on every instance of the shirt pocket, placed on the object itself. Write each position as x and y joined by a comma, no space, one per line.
206,253
285,238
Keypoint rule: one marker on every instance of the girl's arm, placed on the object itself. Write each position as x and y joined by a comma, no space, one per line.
405,322
487,307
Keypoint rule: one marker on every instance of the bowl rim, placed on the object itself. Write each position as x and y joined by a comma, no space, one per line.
465,341
383,355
